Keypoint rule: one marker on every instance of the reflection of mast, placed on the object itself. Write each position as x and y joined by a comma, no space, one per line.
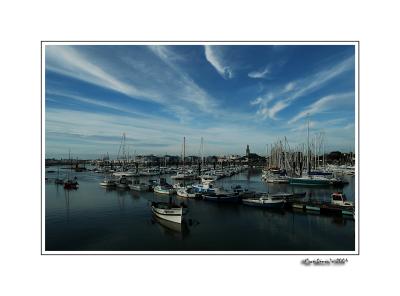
66,195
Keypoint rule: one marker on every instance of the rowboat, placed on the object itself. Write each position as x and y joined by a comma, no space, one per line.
168,211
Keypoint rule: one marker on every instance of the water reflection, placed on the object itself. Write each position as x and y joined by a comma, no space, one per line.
168,228
67,204
114,219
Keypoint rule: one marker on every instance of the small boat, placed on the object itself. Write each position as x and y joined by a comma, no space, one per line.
71,184
137,186
313,208
169,211
187,192
265,201
243,192
288,196
338,198
204,187
164,189
221,195
298,206
58,180
108,182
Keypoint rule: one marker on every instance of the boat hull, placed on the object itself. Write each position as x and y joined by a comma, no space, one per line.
164,191
257,203
314,182
219,198
172,215
105,184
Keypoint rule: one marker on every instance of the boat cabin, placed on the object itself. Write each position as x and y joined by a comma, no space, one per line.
340,199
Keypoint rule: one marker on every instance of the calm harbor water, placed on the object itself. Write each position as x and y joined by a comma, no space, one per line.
94,218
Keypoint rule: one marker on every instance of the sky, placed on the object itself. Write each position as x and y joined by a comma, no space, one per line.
231,95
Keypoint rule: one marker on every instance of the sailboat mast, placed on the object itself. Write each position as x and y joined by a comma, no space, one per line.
202,152
323,151
308,145
184,152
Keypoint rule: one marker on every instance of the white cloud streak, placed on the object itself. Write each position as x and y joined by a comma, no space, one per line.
293,90
259,74
161,81
326,103
214,57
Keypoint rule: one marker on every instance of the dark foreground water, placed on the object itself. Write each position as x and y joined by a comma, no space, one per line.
93,218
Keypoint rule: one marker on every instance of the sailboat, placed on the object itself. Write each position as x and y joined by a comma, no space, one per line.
58,180
184,174
71,183
314,178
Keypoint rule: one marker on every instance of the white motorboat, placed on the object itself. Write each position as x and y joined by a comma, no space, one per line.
187,192
163,189
108,182
340,199
169,211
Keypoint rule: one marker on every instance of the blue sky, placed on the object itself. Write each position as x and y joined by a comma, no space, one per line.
231,95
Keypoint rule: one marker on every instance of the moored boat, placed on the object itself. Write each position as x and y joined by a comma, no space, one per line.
265,201
169,211
107,182
338,198
187,192
164,189
312,180
71,184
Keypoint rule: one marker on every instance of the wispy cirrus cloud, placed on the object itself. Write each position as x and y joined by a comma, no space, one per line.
68,61
292,90
159,80
214,57
259,74
326,103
